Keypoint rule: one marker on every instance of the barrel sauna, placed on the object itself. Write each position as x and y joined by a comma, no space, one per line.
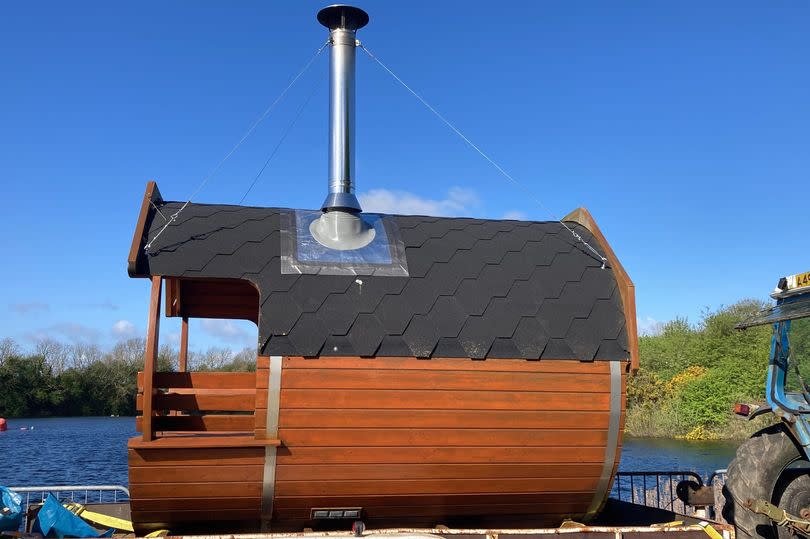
472,374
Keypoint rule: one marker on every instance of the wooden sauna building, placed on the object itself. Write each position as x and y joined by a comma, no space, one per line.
410,370
486,385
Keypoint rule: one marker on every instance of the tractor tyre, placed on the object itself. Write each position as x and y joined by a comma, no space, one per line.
759,471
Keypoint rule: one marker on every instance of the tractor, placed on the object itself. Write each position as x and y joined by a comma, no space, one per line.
767,486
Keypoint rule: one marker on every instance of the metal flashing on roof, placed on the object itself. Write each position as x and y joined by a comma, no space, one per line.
384,255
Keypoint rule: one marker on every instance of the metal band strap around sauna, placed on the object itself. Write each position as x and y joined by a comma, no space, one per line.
269,475
612,439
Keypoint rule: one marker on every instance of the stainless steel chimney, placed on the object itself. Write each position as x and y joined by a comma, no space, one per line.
343,22
341,225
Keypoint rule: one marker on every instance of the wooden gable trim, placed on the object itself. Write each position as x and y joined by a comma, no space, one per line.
627,289
151,196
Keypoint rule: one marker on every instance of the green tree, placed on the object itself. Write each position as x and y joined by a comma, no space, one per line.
28,386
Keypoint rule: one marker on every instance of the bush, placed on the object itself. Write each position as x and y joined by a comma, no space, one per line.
691,376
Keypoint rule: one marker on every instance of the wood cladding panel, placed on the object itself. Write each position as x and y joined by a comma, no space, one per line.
194,440
174,517
208,504
375,472
473,399
443,380
185,484
472,419
227,400
438,455
417,436
200,423
202,380
403,437
208,489
439,486
438,500
212,298
447,364
195,457
195,474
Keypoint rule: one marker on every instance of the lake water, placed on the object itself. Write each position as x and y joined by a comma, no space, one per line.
92,450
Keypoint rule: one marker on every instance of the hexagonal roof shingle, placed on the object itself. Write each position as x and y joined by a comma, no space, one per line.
476,288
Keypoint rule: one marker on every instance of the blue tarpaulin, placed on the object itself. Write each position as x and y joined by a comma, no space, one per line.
53,520
10,510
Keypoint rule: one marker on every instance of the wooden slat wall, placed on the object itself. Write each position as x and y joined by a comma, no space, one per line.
435,439
187,486
233,392
171,486
201,380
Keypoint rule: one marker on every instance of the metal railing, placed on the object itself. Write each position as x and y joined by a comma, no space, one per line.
653,489
658,489
716,481
719,475
83,494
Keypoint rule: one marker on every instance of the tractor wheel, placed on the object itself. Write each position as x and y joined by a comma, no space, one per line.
762,469
794,497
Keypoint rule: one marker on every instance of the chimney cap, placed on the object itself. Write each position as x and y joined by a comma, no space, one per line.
343,16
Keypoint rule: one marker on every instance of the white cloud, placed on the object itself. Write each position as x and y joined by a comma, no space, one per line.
124,329
228,331
72,331
458,201
31,307
516,215
105,305
649,326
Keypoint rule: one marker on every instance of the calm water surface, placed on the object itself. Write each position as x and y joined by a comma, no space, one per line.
92,450
65,451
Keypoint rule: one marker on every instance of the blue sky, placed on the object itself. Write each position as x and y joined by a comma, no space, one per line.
682,126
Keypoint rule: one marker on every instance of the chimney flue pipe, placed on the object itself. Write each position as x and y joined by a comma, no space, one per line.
343,22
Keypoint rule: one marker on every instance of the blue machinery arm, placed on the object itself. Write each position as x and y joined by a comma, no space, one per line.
786,405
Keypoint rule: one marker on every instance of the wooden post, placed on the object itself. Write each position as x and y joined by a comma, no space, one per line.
152,338
183,357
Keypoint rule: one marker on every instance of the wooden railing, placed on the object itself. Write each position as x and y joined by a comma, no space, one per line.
201,401
201,409
195,409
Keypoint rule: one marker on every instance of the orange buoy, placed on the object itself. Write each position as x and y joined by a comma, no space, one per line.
3,425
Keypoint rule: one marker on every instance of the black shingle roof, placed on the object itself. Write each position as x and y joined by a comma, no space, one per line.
476,288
